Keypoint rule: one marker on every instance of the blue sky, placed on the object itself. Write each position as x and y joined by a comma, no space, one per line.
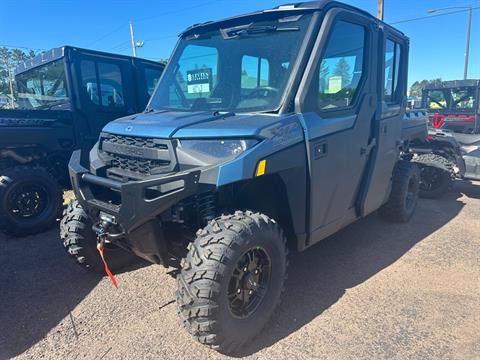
437,44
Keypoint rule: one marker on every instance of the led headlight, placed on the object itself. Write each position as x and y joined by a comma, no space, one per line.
214,151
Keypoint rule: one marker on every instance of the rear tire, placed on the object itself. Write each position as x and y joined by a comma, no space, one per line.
80,242
437,175
232,279
403,197
31,200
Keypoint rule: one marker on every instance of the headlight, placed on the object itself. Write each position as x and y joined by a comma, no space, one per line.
213,151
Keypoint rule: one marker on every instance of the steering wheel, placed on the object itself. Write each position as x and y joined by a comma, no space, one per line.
263,92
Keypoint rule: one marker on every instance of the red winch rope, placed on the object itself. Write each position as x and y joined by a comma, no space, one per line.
107,270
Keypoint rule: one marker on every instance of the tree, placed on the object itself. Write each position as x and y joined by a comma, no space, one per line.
342,69
9,59
324,75
417,87
18,56
5,70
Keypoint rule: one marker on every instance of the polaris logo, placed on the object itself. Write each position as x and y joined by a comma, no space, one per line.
123,149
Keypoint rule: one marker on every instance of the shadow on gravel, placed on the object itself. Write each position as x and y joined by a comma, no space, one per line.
39,286
319,277
467,188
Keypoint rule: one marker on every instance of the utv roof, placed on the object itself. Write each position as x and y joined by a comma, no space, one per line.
453,84
287,9
57,53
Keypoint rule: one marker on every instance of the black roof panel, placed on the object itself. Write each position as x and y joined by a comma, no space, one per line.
299,7
57,53
453,84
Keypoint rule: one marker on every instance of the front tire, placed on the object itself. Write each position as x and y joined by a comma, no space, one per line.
403,197
232,279
31,200
80,242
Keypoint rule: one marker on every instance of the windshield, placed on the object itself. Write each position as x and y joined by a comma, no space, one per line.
240,69
43,87
452,98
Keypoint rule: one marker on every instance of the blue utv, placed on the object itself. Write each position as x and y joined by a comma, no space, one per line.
267,133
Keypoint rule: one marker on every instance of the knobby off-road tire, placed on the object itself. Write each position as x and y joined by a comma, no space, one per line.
437,175
404,195
80,242
207,301
31,200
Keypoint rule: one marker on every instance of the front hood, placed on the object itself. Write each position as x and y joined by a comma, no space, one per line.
168,124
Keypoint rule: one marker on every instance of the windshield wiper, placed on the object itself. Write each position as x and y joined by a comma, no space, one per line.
52,104
238,31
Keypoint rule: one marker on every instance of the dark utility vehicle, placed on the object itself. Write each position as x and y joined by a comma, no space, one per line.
267,132
64,98
452,149
453,105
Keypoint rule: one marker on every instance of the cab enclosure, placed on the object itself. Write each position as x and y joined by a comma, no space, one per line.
63,98
267,132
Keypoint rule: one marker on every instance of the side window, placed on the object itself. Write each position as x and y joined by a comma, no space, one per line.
111,87
89,80
391,70
341,67
151,78
105,90
436,99
255,72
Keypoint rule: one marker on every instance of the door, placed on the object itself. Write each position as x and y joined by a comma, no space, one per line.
387,127
338,107
105,92
147,76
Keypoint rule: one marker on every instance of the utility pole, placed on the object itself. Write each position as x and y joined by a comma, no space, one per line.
380,9
10,80
467,48
134,47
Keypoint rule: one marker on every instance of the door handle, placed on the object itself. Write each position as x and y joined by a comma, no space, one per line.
320,150
366,150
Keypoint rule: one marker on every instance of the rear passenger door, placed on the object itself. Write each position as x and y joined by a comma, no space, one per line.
387,127
106,91
338,104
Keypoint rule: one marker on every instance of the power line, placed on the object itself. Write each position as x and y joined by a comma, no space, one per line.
106,35
149,18
432,16
21,47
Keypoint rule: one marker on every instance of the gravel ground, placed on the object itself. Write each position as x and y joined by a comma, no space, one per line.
374,290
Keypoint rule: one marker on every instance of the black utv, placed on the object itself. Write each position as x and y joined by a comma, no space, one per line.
64,97
267,133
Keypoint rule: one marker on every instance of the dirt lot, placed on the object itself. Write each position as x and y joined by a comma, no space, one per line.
374,290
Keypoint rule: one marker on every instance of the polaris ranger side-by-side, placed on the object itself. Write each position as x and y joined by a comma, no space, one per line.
267,132
64,98
452,149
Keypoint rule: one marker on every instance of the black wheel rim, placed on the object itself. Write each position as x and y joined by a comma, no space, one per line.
431,178
412,191
249,282
28,200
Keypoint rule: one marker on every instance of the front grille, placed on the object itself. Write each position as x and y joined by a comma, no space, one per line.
136,157
135,141
136,165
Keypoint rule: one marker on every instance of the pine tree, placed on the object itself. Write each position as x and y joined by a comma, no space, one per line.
342,69
324,75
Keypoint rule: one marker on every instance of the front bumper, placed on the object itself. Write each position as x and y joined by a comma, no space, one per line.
136,208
